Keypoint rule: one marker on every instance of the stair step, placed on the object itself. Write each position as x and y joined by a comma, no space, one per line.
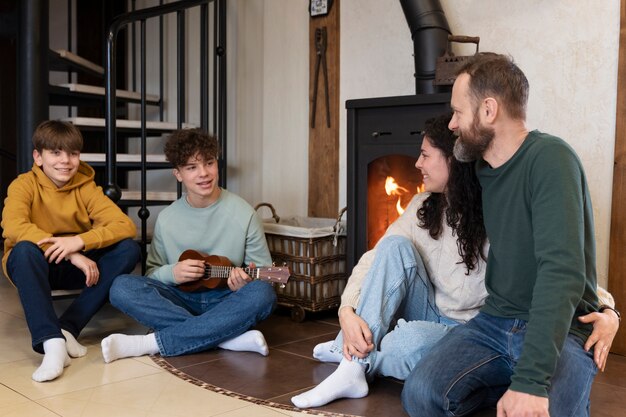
94,122
63,294
122,157
164,196
100,91
63,60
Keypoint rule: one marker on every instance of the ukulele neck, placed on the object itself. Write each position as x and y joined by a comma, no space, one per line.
220,271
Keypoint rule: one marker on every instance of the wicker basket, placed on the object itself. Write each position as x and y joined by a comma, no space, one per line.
314,249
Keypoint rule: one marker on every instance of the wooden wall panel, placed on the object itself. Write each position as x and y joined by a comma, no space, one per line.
617,250
323,140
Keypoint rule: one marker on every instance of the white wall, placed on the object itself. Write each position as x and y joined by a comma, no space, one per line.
268,143
568,51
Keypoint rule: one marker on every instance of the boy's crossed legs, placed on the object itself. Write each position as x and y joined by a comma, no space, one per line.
118,346
188,322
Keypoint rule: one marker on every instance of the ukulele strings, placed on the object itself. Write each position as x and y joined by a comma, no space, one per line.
218,271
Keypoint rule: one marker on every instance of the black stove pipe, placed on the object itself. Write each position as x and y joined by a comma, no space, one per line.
429,31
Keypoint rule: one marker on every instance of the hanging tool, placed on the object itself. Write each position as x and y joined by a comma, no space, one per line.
320,61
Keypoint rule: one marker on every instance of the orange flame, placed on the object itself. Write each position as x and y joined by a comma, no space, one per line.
399,207
392,188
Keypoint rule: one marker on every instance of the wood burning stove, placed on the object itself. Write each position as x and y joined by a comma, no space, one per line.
384,139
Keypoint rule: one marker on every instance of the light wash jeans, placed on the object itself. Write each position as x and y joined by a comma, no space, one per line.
397,287
471,369
35,277
189,322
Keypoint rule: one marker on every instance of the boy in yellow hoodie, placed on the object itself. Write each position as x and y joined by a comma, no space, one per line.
62,232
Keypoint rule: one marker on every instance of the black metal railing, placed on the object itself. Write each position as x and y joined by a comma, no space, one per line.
215,124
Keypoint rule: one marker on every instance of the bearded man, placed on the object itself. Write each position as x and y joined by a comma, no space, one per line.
526,351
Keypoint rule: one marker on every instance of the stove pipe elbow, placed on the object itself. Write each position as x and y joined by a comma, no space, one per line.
429,31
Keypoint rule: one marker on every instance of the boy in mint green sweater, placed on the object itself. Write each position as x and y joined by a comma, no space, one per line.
208,219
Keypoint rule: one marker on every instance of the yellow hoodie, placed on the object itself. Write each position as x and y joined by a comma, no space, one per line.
36,209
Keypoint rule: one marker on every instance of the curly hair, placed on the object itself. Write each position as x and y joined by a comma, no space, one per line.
186,143
462,201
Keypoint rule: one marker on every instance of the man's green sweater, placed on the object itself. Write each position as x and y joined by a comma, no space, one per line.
541,265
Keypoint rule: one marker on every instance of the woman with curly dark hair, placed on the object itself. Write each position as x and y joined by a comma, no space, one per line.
459,205
426,274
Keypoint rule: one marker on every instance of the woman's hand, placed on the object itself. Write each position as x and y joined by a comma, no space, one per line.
605,327
357,336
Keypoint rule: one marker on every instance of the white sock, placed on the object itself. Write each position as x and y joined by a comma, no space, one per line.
348,381
55,358
117,346
252,341
323,353
74,349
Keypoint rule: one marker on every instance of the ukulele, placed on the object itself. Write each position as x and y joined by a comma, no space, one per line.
217,268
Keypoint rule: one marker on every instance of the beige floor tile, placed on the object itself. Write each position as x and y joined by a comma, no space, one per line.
89,371
288,413
8,397
15,338
9,300
137,393
179,399
27,409
148,361
68,405
155,395
254,410
80,404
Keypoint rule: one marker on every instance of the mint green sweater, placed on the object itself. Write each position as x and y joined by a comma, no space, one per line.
229,227
541,264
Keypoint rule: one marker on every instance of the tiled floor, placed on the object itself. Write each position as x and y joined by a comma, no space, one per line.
140,387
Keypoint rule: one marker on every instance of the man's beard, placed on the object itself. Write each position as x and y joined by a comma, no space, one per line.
472,143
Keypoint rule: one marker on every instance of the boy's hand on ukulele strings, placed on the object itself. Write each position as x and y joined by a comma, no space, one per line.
238,278
188,270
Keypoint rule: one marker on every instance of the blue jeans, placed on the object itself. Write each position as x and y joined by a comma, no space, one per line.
189,322
484,353
397,287
34,278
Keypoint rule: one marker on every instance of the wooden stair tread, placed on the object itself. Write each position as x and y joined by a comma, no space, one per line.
100,91
122,157
78,61
62,294
150,195
123,123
